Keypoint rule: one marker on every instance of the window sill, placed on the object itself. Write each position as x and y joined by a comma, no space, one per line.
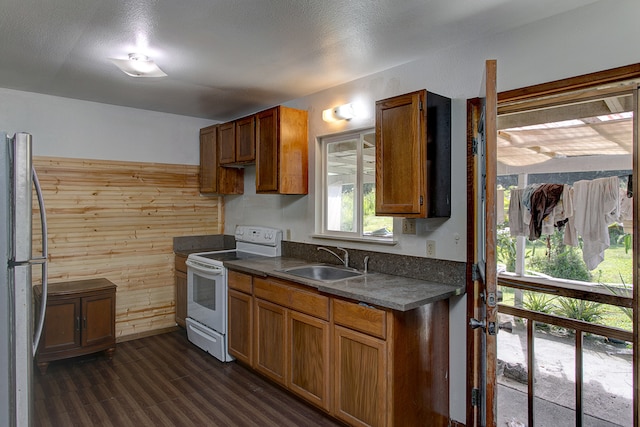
375,240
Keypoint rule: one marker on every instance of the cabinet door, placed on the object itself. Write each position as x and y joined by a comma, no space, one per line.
360,365
240,326
245,139
401,160
227,143
309,358
62,326
181,298
98,324
270,337
267,151
208,160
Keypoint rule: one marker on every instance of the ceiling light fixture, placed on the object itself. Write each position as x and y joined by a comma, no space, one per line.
138,65
342,112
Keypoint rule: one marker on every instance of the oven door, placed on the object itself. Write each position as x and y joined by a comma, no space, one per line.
207,295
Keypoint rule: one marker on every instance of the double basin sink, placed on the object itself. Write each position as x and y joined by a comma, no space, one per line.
323,273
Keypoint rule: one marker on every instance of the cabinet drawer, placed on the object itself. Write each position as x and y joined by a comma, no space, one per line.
361,318
271,291
240,281
290,296
310,303
181,263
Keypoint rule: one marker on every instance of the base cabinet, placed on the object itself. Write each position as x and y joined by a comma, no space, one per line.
308,353
363,365
270,340
79,319
240,309
181,290
240,316
360,378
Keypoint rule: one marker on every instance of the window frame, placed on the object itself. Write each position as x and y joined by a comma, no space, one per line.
358,234
559,93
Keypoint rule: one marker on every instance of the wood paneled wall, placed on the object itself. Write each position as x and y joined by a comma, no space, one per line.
117,220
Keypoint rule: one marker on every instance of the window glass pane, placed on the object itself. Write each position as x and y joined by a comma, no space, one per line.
372,225
341,183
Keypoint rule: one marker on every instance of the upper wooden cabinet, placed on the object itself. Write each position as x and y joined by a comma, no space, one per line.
227,143
238,141
213,177
245,140
413,156
282,151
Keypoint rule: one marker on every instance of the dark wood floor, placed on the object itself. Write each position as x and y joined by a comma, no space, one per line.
163,380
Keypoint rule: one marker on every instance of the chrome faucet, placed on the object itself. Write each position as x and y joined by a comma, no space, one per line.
344,260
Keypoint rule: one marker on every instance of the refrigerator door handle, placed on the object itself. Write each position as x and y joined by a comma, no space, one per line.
41,260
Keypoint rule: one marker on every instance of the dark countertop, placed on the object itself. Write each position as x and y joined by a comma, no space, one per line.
187,252
185,245
383,290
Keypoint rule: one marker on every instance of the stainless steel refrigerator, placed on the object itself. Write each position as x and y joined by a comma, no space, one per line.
19,335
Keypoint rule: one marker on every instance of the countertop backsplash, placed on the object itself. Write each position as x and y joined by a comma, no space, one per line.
449,272
186,244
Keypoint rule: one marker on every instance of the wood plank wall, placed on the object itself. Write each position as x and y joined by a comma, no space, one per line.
117,220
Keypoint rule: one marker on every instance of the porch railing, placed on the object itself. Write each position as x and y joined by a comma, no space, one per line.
580,327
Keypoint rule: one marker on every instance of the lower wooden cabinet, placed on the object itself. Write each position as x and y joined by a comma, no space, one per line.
240,326
363,365
270,340
79,319
181,290
308,356
360,369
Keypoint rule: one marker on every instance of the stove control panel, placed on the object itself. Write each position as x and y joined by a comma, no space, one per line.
258,235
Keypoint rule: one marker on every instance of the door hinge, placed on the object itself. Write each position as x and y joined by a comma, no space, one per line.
419,105
421,200
474,146
475,272
475,397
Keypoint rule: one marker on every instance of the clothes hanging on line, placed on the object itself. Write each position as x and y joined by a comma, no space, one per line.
538,209
585,210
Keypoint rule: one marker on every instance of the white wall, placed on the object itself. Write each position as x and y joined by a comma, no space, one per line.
594,38
597,37
64,127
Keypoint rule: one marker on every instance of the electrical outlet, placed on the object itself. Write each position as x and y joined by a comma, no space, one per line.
408,226
431,248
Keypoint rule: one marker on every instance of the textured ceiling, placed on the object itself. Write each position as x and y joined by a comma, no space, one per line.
229,58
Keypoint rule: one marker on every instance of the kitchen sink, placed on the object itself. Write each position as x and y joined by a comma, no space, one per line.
323,273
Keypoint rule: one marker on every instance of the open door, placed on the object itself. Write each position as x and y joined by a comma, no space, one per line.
481,226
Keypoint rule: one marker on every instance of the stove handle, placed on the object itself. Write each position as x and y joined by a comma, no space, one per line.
207,270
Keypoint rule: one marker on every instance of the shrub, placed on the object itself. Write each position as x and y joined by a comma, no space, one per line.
588,311
539,302
562,261
506,247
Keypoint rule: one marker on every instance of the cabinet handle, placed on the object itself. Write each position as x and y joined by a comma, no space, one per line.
77,323
84,321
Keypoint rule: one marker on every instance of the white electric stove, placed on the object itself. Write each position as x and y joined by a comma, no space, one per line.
207,286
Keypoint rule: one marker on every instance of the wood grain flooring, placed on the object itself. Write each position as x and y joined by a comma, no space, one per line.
163,380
